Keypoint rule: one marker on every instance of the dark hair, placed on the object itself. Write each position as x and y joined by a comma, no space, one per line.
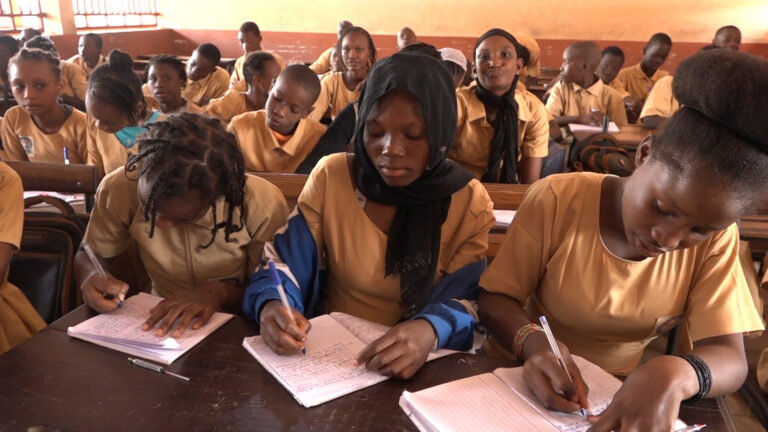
614,51
9,42
709,47
250,27
728,27
305,77
115,83
96,39
170,60
210,52
39,55
185,152
659,39
453,68
423,48
255,64
362,31
41,42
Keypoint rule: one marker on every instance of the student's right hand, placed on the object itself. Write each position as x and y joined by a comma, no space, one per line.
593,118
95,288
547,379
279,332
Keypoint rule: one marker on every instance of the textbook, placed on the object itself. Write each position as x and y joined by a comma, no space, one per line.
121,331
575,127
327,371
502,401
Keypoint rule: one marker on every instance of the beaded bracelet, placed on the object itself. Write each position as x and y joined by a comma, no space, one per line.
703,374
521,336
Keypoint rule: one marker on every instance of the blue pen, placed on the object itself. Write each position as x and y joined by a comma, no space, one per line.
66,156
283,297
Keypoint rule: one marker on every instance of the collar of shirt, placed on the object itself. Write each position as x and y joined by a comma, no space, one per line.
476,109
292,144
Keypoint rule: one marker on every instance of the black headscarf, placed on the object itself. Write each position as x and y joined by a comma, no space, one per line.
413,243
504,142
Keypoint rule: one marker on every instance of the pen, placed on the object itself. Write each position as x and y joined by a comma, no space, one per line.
556,351
692,428
283,297
606,121
157,368
66,156
100,270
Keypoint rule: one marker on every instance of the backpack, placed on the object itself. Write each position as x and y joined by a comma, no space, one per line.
600,153
43,267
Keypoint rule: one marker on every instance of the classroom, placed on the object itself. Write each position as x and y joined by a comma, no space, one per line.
357,215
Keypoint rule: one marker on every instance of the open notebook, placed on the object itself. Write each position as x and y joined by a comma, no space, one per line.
575,127
121,330
327,371
502,401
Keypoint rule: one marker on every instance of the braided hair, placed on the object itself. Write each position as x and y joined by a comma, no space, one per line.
37,54
187,152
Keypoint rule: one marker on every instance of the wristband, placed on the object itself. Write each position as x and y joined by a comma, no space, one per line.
522,335
703,374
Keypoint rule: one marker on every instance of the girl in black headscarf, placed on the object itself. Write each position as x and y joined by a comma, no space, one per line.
503,132
401,231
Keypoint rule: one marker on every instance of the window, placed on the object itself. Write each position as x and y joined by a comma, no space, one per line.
101,14
16,15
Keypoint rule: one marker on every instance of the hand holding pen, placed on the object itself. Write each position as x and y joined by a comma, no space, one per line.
283,328
100,290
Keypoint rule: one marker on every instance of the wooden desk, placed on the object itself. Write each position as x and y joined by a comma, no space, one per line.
629,136
74,385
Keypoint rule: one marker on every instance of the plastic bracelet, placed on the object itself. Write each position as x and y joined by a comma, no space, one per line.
703,374
521,336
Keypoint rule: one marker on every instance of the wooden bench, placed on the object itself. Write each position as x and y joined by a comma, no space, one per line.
54,177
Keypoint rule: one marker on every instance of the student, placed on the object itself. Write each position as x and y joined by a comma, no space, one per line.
28,34
406,36
456,63
614,262
728,37
489,138
324,63
339,89
260,70
391,222
8,48
207,80
116,110
581,96
660,104
638,80
279,137
73,77
89,56
39,129
198,220
20,320
337,65
249,37
166,79
611,61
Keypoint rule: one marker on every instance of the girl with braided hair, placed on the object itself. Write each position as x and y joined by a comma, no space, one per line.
200,223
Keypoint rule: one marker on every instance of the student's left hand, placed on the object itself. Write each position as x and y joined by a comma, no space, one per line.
401,351
649,399
199,302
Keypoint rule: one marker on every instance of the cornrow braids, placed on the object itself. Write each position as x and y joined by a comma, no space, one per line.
39,55
187,152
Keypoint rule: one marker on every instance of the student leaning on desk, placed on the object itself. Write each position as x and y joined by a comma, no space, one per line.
614,262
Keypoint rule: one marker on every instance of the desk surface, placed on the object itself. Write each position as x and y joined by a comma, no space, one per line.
74,385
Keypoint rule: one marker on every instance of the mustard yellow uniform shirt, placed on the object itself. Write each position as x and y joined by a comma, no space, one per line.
661,101
172,257
75,79
533,68
213,86
237,71
355,248
605,308
187,107
24,141
323,63
334,94
18,318
228,106
472,145
262,151
570,99
77,60
633,81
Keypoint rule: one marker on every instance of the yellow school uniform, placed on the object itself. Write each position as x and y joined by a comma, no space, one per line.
75,80
570,99
323,63
355,248
533,68
472,145
213,86
187,107
24,141
77,60
237,71
602,307
172,257
18,318
334,94
633,81
263,151
105,151
224,108
661,102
